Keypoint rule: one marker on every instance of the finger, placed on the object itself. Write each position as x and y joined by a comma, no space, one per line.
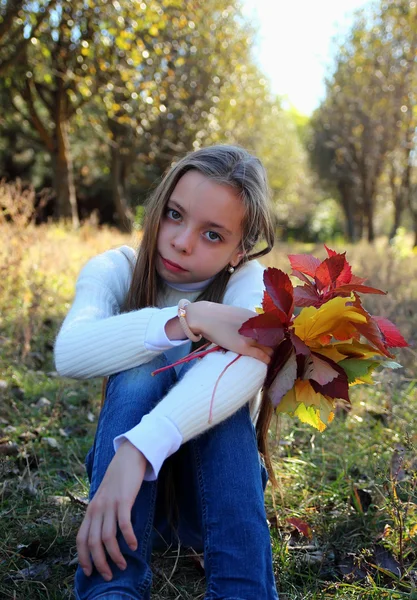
110,541
269,351
82,546
125,525
256,352
95,545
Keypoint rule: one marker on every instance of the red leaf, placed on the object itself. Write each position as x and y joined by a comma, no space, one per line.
279,358
280,289
284,380
301,276
357,280
392,336
265,329
329,251
338,387
306,296
301,527
346,274
305,263
329,270
300,347
362,289
269,307
372,333
319,370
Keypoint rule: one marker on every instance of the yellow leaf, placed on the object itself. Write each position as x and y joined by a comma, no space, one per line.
331,352
313,323
355,349
311,416
305,393
289,402
306,404
259,310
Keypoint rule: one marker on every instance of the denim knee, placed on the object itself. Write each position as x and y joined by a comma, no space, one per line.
139,382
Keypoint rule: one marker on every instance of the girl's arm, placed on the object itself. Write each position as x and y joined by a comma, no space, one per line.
95,339
189,408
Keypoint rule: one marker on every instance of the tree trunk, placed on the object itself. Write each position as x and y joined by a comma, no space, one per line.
118,182
368,209
369,213
398,210
347,199
66,200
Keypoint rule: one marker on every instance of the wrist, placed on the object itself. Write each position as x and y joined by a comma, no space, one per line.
173,330
128,450
195,314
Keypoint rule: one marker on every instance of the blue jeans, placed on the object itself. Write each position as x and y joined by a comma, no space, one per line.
219,485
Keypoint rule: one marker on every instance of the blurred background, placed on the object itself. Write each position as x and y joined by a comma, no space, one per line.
98,99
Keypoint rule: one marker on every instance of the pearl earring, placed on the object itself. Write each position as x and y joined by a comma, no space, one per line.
231,269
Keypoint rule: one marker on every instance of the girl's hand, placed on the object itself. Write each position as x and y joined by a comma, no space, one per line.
220,324
111,506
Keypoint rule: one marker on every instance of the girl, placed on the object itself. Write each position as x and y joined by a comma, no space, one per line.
193,277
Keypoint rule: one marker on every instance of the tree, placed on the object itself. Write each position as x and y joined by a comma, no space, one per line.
361,122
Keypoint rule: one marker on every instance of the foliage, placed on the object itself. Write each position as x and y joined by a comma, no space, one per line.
137,86
331,344
363,132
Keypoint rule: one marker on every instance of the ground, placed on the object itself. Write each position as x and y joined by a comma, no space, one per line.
352,487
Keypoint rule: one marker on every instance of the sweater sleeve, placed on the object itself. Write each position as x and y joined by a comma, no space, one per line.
95,339
184,412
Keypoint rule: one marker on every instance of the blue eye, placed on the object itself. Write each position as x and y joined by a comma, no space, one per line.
213,236
173,214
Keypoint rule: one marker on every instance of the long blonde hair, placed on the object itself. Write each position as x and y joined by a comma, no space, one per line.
244,173
227,165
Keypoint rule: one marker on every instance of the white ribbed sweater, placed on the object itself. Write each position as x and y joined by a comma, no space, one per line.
96,340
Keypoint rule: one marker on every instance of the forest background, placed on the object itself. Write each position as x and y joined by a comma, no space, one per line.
97,99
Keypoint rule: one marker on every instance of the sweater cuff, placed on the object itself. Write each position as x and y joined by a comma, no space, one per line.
157,438
156,340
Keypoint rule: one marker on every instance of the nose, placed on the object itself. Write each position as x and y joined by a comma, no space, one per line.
183,241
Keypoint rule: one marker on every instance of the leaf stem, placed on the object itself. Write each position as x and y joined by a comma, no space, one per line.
215,387
194,354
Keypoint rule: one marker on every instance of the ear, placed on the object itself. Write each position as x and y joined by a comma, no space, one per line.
237,257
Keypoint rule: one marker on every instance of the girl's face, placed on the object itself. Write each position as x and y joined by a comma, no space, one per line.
201,230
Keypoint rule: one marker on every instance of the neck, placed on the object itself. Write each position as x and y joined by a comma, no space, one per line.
189,287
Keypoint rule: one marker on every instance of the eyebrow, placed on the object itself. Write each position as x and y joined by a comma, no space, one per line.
207,223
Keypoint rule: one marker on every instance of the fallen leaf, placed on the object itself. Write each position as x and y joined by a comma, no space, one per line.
39,571
301,526
361,500
349,569
385,560
30,550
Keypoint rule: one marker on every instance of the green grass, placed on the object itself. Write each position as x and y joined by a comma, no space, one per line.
344,483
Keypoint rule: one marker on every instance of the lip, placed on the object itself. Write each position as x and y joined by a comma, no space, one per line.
171,266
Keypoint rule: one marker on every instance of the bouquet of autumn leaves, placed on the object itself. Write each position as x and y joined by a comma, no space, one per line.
332,344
